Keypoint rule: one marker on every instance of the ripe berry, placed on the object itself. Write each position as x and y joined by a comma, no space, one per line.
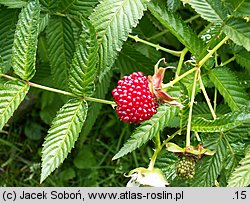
185,167
135,102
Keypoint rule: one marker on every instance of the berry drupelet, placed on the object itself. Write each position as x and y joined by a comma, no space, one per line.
135,102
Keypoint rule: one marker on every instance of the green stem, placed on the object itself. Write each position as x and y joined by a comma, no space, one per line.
215,99
159,147
191,109
197,136
216,59
166,31
201,62
50,89
92,99
156,46
60,91
158,141
228,61
207,98
170,137
192,18
229,146
158,35
178,70
157,150
8,77
171,83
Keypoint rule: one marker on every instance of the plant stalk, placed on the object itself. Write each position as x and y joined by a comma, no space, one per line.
207,98
228,61
178,70
215,98
191,109
171,83
156,46
201,62
157,150
159,147
92,99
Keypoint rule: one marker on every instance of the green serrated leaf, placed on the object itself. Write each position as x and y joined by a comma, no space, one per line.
44,20
113,21
8,20
13,3
174,5
167,163
210,10
239,7
130,60
211,35
229,87
148,130
229,164
1,65
51,5
62,135
60,42
83,70
243,58
94,108
241,176
238,30
221,124
78,7
239,133
50,104
178,28
209,168
12,94
25,41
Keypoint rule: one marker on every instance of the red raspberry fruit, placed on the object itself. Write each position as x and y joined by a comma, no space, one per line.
135,102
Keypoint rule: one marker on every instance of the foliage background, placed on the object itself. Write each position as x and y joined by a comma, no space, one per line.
90,162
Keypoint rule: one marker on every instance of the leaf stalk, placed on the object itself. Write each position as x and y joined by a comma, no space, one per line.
91,99
156,46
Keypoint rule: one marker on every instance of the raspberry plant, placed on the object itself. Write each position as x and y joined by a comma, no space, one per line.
192,57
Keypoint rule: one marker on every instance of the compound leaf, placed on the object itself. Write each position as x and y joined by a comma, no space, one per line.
12,94
241,175
148,129
83,69
62,135
25,41
229,87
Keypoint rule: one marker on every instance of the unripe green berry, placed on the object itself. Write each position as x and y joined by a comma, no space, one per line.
185,167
